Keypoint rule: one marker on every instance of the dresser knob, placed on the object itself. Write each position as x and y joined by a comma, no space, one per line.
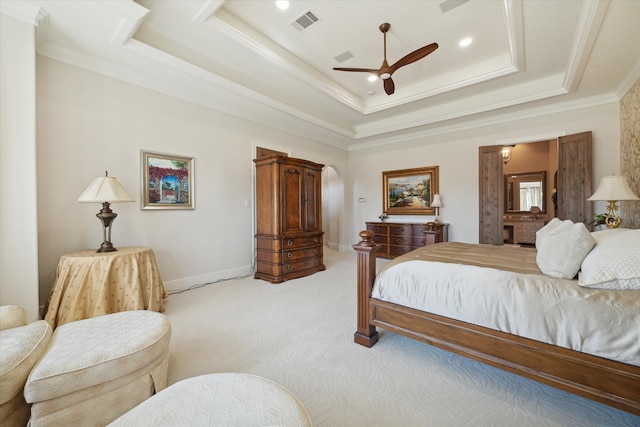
289,255
289,267
289,243
315,239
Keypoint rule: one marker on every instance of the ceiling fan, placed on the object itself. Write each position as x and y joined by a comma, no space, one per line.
385,70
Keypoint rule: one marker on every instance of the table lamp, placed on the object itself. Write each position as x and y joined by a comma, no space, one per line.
611,189
105,189
437,204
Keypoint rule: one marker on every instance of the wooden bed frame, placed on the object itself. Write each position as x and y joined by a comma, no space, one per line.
612,383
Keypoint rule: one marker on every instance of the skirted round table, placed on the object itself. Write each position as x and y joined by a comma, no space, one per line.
90,284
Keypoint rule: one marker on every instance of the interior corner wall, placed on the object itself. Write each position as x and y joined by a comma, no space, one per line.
18,203
456,154
89,123
630,153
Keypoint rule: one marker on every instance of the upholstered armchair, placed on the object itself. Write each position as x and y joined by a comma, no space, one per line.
21,346
87,372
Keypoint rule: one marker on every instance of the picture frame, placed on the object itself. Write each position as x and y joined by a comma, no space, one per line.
167,181
410,191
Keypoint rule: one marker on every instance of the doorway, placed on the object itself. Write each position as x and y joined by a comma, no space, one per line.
574,180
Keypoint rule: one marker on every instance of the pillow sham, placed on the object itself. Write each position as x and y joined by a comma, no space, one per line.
562,245
614,263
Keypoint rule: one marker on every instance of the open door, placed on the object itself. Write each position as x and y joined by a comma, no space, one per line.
491,195
573,187
574,177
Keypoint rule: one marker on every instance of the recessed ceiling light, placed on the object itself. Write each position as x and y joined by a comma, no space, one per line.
282,4
465,42
372,78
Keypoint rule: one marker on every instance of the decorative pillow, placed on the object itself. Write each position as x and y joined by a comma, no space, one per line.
614,263
562,245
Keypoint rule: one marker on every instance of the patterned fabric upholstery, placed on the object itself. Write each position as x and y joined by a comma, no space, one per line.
96,369
224,399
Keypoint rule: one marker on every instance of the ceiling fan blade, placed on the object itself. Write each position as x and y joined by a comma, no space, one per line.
359,70
413,56
389,86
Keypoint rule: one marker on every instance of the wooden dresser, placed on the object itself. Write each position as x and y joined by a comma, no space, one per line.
397,238
288,218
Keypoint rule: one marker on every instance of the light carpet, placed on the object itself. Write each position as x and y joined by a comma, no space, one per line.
300,334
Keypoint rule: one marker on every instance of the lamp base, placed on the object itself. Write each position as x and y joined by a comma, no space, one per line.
106,247
106,217
612,219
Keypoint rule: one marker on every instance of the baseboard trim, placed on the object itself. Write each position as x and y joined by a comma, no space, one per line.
204,279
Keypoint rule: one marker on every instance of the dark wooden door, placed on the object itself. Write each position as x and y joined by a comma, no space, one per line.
574,177
491,195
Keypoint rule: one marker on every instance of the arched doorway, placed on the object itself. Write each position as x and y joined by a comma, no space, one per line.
332,206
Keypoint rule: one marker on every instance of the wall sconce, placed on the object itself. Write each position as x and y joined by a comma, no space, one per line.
506,153
437,203
105,189
611,189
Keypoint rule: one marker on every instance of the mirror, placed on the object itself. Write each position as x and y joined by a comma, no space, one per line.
523,191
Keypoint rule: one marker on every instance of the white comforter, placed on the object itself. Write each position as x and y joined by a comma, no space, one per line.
604,323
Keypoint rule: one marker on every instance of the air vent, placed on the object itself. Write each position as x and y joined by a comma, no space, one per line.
343,56
448,5
305,21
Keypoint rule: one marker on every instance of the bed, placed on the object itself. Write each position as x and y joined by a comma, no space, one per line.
597,357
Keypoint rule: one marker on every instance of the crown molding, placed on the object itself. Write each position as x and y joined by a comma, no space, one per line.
591,17
491,121
25,12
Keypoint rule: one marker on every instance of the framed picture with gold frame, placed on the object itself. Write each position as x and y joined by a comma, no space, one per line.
410,191
167,181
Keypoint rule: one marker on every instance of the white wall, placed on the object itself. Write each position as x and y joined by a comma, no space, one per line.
18,220
89,123
456,154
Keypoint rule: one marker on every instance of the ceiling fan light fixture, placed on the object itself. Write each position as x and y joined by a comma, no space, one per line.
372,78
385,71
282,4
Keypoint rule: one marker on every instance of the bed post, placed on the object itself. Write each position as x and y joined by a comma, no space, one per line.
366,334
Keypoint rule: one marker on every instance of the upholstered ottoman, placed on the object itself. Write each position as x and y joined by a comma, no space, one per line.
225,399
21,346
95,370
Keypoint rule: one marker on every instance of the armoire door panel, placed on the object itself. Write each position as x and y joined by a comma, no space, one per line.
292,183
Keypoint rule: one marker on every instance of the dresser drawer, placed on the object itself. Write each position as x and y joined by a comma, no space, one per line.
400,229
300,242
395,251
383,250
378,229
380,238
401,240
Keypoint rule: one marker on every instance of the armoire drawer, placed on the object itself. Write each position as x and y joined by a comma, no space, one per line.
301,242
297,254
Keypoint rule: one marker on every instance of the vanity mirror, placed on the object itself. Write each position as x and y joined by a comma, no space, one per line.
524,191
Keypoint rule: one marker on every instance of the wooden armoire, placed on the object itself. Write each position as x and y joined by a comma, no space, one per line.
288,218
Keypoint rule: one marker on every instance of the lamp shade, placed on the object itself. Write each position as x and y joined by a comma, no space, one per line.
105,189
436,201
613,187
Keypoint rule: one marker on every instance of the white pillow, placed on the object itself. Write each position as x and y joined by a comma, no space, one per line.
562,245
614,263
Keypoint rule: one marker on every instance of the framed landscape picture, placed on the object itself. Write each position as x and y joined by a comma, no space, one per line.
167,181
410,191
